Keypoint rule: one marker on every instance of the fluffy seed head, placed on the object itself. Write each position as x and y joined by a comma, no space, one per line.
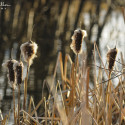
77,39
18,68
11,73
111,56
28,51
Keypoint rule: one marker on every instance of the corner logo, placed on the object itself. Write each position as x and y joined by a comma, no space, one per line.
3,5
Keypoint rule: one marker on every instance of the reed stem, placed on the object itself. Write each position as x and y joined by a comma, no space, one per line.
108,106
25,88
14,105
45,111
18,104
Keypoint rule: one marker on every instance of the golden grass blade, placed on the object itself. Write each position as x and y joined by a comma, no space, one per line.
92,117
38,105
30,117
120,100
34,108
49,118
101,58
61,64
87,88
65,68
100,115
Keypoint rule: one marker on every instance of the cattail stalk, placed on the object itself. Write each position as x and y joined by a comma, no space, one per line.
18,104
18,69
111,55
25,87
28,51
14,105
76,46
109,105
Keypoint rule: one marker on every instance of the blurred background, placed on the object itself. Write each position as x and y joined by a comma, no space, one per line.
51,23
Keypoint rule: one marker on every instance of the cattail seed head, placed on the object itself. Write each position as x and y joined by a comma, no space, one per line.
18,68
111,56
28,51
11,73
77,39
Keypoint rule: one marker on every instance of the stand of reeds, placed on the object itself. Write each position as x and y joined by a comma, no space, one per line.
73,100
18,104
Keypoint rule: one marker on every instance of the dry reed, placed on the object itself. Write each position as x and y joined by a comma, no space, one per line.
72,100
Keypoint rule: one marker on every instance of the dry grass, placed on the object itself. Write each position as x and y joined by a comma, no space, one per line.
73,102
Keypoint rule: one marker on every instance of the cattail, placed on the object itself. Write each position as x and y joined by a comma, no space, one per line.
77,39
18,68
111,55
28,50
11,73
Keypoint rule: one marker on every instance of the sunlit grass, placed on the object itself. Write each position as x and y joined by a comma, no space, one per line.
71,100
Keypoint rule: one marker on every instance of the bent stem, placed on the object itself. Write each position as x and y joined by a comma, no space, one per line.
25,88
18,104
14,105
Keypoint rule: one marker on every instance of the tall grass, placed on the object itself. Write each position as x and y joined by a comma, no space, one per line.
72,100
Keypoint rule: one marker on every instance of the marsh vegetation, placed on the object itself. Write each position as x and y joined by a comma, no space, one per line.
83,86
